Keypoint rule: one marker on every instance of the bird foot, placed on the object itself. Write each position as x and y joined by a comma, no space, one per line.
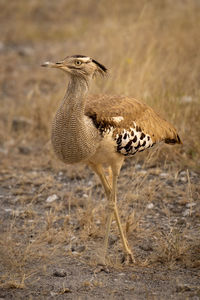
101,268
128,259
101,265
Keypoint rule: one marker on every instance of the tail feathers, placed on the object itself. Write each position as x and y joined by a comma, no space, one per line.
172,141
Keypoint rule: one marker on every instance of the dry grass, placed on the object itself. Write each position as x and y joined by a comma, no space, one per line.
38,231
152,51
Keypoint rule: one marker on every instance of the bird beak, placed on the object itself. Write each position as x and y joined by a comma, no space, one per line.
52,65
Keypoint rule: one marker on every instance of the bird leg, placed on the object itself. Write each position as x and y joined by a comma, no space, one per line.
99,171
129,254
108,191
112,209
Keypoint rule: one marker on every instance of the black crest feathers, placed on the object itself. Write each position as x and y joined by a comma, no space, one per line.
102,67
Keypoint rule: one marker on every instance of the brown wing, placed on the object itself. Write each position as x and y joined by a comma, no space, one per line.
103,109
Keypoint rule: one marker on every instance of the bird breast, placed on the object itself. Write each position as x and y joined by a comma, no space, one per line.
74,139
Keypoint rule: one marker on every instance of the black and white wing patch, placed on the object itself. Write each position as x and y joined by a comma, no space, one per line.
132,140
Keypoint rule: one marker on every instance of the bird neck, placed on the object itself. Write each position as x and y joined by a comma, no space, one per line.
74,100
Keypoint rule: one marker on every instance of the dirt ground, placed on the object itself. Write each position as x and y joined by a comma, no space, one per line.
53,222
53,216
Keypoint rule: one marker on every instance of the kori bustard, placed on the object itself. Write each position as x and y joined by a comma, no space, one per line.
102,131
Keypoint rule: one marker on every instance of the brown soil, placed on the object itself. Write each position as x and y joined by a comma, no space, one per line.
48,249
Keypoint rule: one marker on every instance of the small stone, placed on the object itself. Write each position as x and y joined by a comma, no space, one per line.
191,204
187,212
164,175
150,205
183,173
52,198
183,179
138,166
53,294
59,273
8,209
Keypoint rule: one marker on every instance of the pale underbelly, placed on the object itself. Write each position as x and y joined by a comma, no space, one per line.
106,152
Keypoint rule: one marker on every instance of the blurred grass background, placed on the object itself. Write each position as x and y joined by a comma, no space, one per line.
150,47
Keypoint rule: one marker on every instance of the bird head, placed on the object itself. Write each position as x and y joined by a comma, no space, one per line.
78,65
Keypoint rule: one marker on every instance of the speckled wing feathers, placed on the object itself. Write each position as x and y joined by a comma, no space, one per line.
133,125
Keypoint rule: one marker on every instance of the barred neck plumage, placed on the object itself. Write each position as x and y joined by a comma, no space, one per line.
74,99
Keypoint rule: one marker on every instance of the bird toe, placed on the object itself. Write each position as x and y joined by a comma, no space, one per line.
128,259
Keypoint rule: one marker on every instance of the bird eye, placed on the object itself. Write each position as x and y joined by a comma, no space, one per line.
78,62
